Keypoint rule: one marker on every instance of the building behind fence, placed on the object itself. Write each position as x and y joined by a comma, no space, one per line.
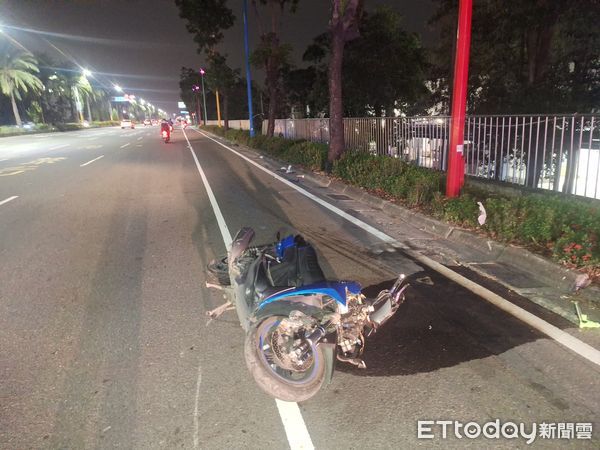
559,153
237,124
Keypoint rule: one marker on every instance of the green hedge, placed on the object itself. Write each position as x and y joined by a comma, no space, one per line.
311,155
566,228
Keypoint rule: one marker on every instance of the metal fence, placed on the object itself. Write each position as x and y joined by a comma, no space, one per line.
559,153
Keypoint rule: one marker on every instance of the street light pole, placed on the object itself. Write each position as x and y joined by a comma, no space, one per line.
202,72
195,90
218,109
248,75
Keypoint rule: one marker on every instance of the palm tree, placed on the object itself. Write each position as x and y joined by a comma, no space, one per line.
17,69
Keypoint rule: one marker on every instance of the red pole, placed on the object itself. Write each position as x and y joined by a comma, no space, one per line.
456,165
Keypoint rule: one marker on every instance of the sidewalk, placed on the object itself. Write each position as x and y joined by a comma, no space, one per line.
534,277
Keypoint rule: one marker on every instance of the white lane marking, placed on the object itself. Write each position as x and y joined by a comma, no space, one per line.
56,147
126,145
92,138
4,159
581,348
89,162
213,201
295,427
9,199
196,409
140,138
291,417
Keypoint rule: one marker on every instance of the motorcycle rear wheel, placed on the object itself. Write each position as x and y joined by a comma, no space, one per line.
271,377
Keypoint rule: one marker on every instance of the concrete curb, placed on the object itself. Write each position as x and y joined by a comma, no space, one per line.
557,277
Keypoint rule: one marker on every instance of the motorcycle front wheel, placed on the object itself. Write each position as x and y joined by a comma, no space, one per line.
285,383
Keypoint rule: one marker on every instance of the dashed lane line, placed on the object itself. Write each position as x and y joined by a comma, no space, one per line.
9,199
57,147
89,162
125,145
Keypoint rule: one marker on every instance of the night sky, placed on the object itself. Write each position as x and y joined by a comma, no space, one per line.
142,44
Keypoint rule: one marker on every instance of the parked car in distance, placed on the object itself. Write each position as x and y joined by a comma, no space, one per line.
127,123
147,122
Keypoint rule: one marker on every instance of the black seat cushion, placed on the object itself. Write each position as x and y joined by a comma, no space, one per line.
299,266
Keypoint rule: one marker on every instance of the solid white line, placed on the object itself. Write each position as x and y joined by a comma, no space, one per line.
213,201
8,199
89,162
56,147
295,427
560,336
196,409
123,146
291,417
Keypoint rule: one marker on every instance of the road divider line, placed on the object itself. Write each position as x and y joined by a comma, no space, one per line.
125,145
291,417
196,408
89,162
562,337
140,138
9,199
56,147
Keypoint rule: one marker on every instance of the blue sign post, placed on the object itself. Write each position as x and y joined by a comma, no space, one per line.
248,76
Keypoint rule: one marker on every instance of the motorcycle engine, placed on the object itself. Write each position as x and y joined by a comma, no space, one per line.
350,331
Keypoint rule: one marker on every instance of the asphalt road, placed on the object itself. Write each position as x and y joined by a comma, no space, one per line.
104,341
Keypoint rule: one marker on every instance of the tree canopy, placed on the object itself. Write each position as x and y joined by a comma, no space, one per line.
206,20
384,69
18,70
526,56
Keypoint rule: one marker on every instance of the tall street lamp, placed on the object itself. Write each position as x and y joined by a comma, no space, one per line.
202,72
195,90
248,75
118,89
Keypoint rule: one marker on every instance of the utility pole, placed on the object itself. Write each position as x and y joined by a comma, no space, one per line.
198,110
218,109
248,75
456,166
202,72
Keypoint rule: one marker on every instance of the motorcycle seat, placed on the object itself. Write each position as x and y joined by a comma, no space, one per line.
298,267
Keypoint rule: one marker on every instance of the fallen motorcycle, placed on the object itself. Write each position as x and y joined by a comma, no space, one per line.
298,323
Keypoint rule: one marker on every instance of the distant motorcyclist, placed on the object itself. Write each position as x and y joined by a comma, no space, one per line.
165,130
